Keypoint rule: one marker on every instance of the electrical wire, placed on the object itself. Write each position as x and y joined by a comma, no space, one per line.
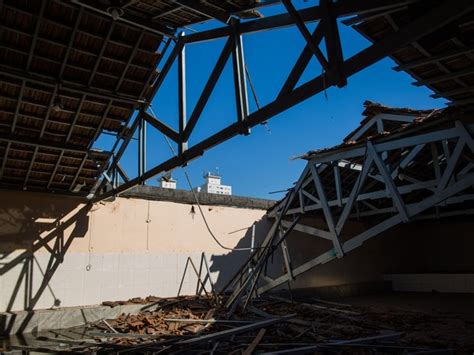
196,199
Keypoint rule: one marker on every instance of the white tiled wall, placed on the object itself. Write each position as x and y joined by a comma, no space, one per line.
112,276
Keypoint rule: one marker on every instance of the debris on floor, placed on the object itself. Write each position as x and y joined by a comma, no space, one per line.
271,324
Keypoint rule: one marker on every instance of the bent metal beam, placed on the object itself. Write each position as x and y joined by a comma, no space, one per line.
340,70
394,199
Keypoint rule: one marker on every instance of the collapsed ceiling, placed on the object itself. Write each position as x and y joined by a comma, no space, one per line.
72,70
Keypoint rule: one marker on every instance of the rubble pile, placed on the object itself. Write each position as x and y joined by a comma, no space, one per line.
271,324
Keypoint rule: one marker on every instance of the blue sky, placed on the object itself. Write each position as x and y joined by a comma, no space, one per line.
260,163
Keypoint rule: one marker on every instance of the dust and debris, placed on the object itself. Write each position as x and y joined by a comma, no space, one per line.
198,324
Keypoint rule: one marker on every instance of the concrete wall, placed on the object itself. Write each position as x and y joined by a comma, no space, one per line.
452,283
135,247
422,247
114,250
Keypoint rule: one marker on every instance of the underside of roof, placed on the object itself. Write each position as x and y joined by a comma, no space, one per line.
442,61
173,14
66,75
69,72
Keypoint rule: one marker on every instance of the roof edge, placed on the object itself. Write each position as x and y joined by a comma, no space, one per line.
187,197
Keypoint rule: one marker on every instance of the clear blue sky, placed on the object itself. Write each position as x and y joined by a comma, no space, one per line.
258,164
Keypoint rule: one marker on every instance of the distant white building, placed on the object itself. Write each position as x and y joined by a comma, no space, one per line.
168,183
213,185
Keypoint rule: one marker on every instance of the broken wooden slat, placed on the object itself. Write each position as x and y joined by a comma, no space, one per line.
255,342
225,321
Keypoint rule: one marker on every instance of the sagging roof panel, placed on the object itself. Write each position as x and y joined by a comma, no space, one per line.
442,61
176,14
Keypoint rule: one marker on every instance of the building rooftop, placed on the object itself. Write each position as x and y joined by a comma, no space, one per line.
212,175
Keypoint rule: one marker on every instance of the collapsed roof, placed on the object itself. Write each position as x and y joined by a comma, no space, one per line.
72,70
399,166
383,125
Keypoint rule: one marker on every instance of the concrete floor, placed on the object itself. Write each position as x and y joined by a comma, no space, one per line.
454,303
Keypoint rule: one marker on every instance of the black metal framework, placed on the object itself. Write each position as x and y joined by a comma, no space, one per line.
336,70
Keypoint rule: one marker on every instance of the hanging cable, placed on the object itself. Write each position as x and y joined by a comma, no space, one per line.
255,98
252,88
323,74
196,199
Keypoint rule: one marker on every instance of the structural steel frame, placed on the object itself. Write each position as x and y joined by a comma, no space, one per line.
336,70
453,175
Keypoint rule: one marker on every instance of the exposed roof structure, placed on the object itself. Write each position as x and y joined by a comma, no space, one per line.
400,165
369,129
67,74
443,61
371,109
167,15
71,70
383,124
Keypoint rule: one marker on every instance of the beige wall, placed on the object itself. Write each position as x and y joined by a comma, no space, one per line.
135,248
113,250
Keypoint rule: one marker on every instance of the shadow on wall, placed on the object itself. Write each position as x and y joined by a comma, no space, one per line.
228,264
25,228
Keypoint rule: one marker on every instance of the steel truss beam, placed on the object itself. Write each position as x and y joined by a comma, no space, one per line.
311,14
337,71
453,177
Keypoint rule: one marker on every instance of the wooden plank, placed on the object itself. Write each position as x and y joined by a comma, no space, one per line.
255,342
